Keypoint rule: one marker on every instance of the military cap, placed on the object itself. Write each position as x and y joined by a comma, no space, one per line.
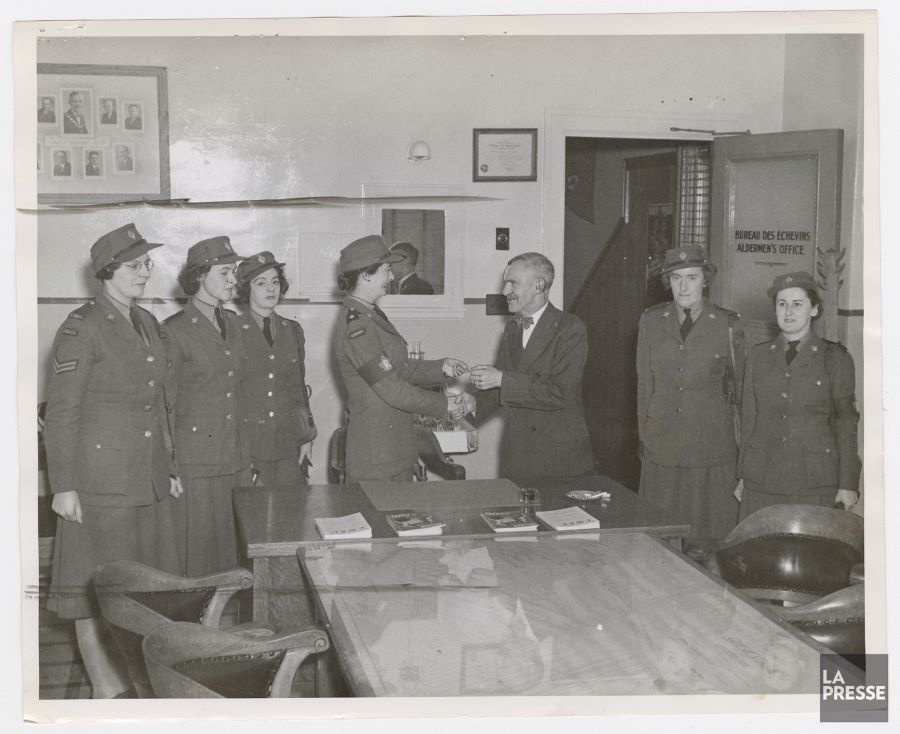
256,264
366,251
689,256
214,251
800,279
120,245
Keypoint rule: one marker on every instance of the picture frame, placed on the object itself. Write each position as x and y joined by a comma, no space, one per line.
504,154
103,109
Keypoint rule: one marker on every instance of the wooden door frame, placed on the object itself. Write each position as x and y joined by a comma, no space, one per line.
560,124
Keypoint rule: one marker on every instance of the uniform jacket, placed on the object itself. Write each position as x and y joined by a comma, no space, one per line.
106,429
382,393
208,371
800,420
545,434
685,388
74,122
273,405
414,285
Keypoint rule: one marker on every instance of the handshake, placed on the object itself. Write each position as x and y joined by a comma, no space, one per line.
482,377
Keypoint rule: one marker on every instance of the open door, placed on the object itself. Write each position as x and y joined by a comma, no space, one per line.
775,199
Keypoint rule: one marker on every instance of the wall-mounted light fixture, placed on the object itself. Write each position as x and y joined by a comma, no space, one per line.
418,152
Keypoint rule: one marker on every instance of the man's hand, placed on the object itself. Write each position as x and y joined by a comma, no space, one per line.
454,367
844,499
67,506
175,488
486,377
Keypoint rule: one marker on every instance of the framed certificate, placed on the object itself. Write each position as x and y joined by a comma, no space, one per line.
504,154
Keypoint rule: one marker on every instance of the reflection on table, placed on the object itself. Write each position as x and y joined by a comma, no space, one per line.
583,614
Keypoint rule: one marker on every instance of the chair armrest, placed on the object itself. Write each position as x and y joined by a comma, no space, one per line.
858,574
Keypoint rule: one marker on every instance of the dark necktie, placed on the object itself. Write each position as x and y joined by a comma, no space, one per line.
686,324
267,330
136,323
220,320
791,351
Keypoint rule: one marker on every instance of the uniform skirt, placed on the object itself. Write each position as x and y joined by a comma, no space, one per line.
145,534
702,496
209,532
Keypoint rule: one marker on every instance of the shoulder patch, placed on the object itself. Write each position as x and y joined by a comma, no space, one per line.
68,331
352,315
173,317
357,332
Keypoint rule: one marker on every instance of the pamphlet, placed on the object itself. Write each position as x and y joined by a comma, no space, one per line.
510,521
414,522
340,528
569,518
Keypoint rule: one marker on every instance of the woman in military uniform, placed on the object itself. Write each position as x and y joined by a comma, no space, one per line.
206,346
689,366
799,410
382,383
277,425
109,455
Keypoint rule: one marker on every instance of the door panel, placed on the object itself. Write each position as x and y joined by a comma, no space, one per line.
775,198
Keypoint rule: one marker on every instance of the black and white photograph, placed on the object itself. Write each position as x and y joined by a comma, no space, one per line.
124,153
603,274
108,111
134,117
78,118
46,111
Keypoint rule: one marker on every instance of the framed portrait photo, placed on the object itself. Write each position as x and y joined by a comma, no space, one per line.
504,154
107,119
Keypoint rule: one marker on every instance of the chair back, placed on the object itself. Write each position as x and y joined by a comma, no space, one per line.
791,553
136,599
433,458
837,620
187,660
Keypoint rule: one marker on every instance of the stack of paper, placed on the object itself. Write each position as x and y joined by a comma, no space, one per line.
569,518
348,526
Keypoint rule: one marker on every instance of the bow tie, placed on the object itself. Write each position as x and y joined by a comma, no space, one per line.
523,322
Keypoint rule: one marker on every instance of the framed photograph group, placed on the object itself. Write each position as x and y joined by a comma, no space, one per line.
102,133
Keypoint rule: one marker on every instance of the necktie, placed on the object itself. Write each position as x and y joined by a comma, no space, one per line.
686,324
791,351
267,330
136,323
220,320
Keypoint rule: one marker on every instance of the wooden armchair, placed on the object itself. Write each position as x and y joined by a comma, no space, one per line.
192,661
791,554
136,599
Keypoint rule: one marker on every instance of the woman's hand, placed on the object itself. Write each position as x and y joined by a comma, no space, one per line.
844,499
305,453
175,488
739,490
67,506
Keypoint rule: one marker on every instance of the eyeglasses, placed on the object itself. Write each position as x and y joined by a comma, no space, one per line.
136,266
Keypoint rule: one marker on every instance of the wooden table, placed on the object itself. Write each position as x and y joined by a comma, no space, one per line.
583,614
274,523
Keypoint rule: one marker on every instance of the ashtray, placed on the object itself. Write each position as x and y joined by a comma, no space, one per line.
587,494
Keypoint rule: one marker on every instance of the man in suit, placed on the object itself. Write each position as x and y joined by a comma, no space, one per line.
536,383
108,116
134,120
45,112
384,387
73,120
62,167
93,167
406,281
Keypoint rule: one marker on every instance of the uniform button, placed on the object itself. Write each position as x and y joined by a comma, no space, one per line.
677,410
231,373
147,434
271,375
783,417
784,395
271,356
147,408
271,414
152,383
227,353
150,358
228,395
681,346
681,369
784,439
269,394
680,389
194,429
99,446
827,451
228,417
787,374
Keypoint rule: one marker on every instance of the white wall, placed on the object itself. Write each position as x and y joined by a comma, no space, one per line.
280,117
